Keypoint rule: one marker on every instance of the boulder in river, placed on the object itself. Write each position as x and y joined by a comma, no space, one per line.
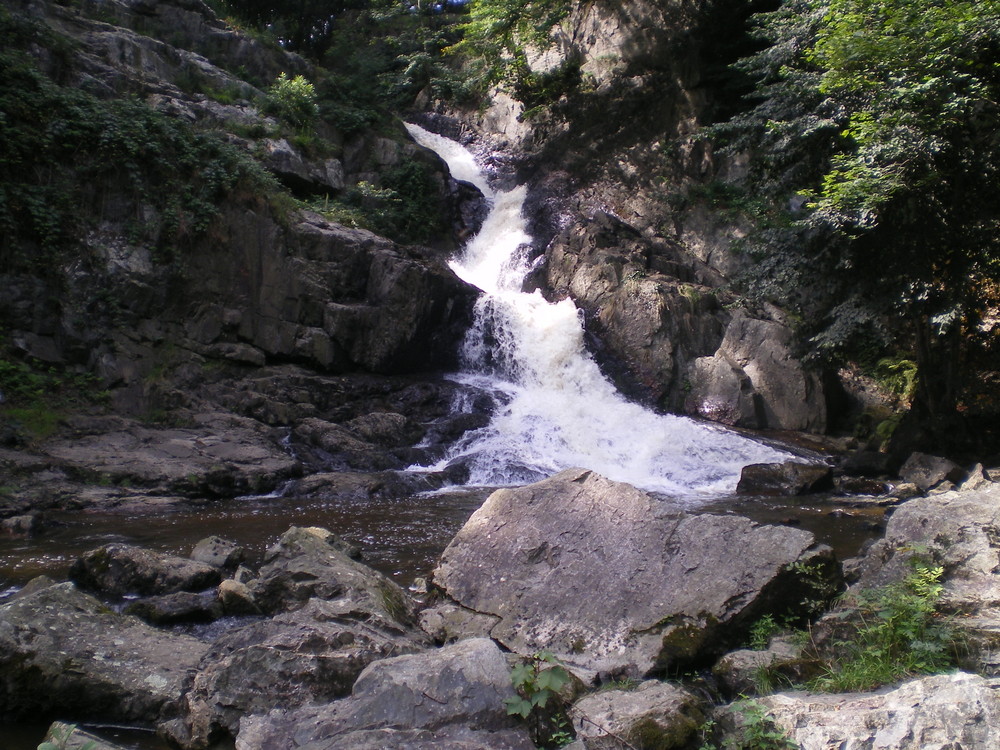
313,562
62,650
118,569
449,698
610,579
788,478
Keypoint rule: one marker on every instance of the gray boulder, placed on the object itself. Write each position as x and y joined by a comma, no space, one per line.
944,712
62,650
171,609
118,569
218,552
929,471
655,714
605,577
788,478
312,562
312,655
448,698
752,672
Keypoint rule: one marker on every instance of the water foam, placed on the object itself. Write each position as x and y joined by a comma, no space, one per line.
557,409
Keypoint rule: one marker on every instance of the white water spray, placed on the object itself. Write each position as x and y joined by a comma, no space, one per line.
558,411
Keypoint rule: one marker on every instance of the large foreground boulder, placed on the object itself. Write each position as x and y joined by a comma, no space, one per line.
944,712
451,699
311,655
610,579
62,650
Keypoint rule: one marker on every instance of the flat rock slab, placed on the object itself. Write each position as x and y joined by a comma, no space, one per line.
225,455
62,650
943,712
602,575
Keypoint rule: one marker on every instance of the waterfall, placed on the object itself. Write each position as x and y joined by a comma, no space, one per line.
557,410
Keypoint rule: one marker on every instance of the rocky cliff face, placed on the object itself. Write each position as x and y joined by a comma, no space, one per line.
263,282
609,162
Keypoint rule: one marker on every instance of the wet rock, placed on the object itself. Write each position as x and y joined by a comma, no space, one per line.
236,598
600,574
789,478
655,714
171,609
119,569
312,562
312,655
218,552
943,712
62,650
930,471
867,464
26,525
441,699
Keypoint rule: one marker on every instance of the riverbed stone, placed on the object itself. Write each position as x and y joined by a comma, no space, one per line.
171,609
751,671
655,714
442,698
218,552
63,650
311,655
928,471
610,579
66,736
788,478
313,562
943,712
119,569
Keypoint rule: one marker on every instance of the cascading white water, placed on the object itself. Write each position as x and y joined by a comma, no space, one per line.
558,410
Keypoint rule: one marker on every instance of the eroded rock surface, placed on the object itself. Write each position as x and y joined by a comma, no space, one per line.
599,574
118,569
943,712
448,698
62,650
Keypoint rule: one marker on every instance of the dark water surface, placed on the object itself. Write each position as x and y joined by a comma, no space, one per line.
402,537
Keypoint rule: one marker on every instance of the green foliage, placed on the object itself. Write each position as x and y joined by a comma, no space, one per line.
898,375
755,730
899,632
404,207
294,101
763,631
61,737
498,33
70,159
537,681
872,130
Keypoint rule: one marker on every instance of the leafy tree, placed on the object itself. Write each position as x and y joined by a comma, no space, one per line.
873,130
498,31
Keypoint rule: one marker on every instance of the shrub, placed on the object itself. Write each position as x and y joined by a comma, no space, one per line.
294,101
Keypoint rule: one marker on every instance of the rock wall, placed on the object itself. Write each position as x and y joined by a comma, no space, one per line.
265,282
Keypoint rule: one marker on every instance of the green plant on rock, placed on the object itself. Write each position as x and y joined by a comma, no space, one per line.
293,100
900,631
537,682
60,736
754,730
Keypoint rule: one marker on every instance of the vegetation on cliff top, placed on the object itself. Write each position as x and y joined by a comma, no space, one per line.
873,132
